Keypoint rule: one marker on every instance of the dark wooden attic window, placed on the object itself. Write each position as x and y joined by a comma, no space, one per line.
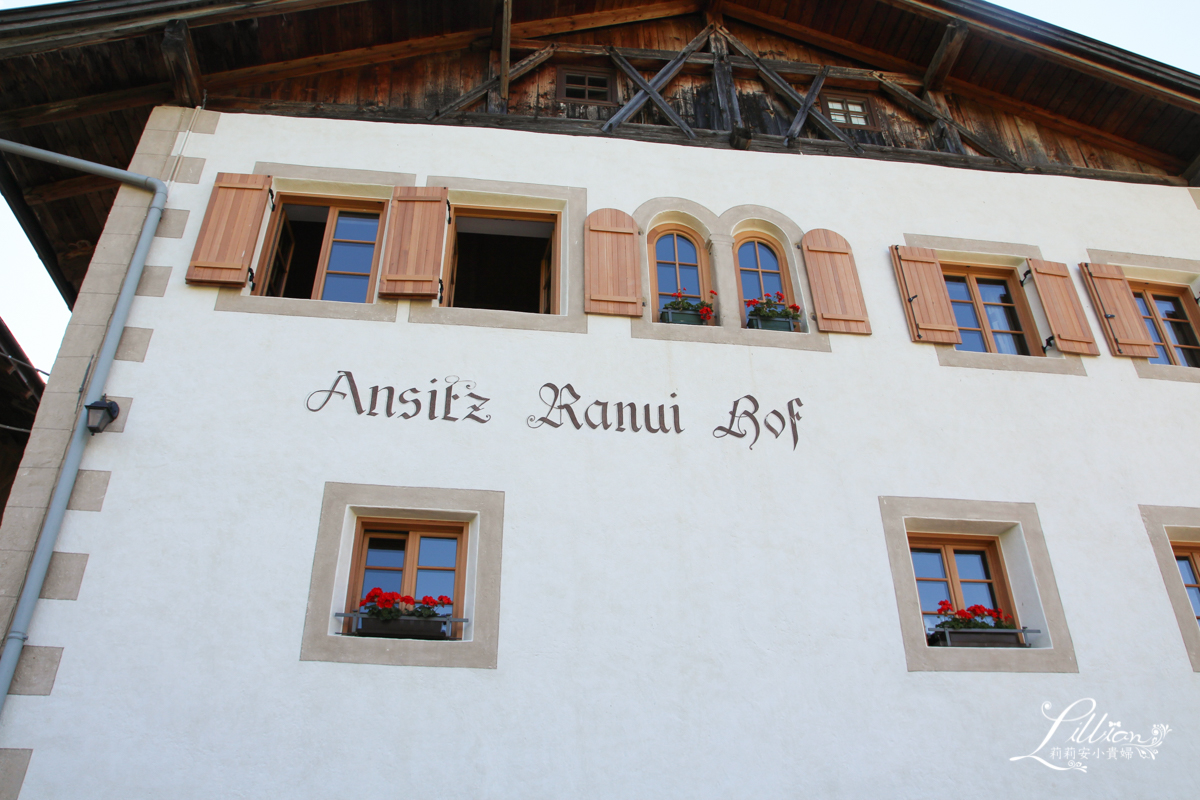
586,85
850,111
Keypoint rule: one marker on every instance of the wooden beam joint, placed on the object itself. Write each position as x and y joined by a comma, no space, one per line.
180,55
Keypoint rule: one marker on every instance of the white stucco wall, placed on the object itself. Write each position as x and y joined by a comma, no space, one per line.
681,617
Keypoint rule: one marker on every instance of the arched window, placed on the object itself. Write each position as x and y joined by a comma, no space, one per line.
760,272
678,265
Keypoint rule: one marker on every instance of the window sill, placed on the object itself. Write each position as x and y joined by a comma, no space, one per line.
714,334
1165,372
1066,365
423,311
234,300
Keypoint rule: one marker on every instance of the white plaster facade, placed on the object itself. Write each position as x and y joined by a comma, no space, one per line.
680,616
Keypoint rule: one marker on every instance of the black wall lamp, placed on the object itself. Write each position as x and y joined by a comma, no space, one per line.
100,413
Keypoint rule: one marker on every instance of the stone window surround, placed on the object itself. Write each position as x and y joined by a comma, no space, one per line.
1161,269
717,233
1166,524
1000,254
1030,576
341,505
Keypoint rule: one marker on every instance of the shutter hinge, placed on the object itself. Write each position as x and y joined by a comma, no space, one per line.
1028,274
448,212
271,197
1051,342
1110,316
252,280
439,291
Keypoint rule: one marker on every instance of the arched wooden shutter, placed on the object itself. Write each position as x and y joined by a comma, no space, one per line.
416,235
837,294
1064,312
230,229
1119,315
613,277
926,301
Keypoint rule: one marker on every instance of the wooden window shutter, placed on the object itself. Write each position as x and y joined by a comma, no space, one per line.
1120,318
837,294
230,229
926,301
613,276
416,234
1064,312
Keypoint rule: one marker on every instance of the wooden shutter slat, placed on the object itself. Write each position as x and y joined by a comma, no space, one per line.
229,233
1120,318
416,236
926,302
833,277
1064,312
613,276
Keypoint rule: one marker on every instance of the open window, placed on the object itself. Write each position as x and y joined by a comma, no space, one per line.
322,248
503,260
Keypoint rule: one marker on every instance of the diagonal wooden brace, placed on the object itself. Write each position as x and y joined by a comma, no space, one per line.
658,82
478,93
653,94
784,88
813,93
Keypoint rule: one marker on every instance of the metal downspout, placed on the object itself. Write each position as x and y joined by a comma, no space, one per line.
36,576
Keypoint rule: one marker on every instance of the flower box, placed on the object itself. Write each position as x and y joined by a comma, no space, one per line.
769,324
975,637
404,628
680,317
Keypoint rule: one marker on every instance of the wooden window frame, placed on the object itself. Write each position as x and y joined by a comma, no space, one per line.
971,272
701,256
336,204
789,292
366,527
1190,551
1190,308
872,113
450,260
947,544
560,85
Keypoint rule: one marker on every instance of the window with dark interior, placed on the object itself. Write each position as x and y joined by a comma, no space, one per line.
584,85
322,249
413,559
1187,557
505,260
1168,312
963,571
991,318
849,111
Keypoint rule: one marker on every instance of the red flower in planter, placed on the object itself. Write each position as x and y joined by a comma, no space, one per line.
962,613
712,292
444,601
383,601
752,303
945,607
427,600
794,307
408,600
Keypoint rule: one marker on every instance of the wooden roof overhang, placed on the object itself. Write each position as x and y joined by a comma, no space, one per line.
81,77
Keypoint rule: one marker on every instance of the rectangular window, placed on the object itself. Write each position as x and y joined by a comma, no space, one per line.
413,559
323,249
850,111
990,316
501,259
1187,558
961,571
583,85
1168,312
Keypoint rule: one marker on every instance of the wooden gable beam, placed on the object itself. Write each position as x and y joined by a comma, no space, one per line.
71,187
505,48
723,86
867,55
86,106
947,53
180,55
460,40
664,76
814,91
651,92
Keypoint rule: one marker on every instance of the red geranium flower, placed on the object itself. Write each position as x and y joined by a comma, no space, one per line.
408,600
962,613
428,601
712,292
385,602
794,307
945,607
779,296
752,303
444,601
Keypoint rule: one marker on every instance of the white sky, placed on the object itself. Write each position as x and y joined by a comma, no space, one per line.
1164,30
